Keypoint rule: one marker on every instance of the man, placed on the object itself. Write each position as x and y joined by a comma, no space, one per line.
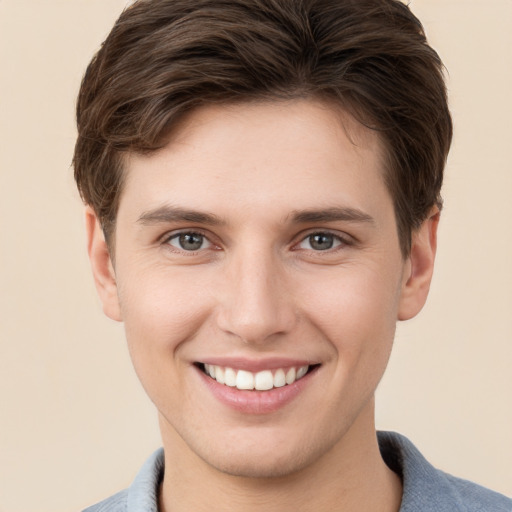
262,181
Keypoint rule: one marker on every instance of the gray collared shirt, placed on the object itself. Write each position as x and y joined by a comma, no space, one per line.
426,489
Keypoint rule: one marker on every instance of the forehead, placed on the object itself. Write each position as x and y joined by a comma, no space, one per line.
260,155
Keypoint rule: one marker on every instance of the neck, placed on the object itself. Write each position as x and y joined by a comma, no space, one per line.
351,477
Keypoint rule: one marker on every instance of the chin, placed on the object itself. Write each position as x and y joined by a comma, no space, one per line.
257,467
263,460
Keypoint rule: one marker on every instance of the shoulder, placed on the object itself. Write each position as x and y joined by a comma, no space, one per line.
475,498
116,503
142,495
428,489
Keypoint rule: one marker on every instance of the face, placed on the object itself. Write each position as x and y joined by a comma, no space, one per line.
259,249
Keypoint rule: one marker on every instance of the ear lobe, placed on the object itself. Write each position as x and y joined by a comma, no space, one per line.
101,264
419,268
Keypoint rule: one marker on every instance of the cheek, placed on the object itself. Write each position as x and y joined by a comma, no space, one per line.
161,310
162,313
356,311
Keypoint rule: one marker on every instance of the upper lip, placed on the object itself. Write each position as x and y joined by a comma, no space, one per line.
256,365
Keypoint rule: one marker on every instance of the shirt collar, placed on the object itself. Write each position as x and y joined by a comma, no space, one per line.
424,487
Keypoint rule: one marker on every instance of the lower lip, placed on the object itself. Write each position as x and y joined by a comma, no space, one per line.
255,402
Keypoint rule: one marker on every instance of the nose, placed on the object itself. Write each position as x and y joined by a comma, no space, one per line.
256,304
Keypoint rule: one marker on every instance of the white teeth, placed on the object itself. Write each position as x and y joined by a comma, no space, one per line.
244,380
290,376
301,372
219,375
279,379
261,381
230,377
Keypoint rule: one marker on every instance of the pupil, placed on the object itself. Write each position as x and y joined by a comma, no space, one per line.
191,241
321,242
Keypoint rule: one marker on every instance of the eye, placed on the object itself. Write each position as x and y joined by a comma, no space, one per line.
321,242
189,241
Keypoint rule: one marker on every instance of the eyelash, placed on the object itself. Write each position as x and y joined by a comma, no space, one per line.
339,241
168,238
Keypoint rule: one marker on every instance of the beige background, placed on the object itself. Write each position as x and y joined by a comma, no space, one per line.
74,424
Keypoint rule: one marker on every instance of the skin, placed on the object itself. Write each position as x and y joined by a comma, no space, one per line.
258,288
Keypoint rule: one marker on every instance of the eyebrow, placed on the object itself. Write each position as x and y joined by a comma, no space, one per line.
168,213
331,215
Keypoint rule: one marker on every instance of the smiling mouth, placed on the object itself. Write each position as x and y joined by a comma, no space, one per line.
259,381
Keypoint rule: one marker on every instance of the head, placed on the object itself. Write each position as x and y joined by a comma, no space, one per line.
268,173
164,59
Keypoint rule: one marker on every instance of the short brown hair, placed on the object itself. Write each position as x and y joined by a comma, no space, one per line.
166,57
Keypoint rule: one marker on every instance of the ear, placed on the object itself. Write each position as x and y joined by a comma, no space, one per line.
419,267
102,267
